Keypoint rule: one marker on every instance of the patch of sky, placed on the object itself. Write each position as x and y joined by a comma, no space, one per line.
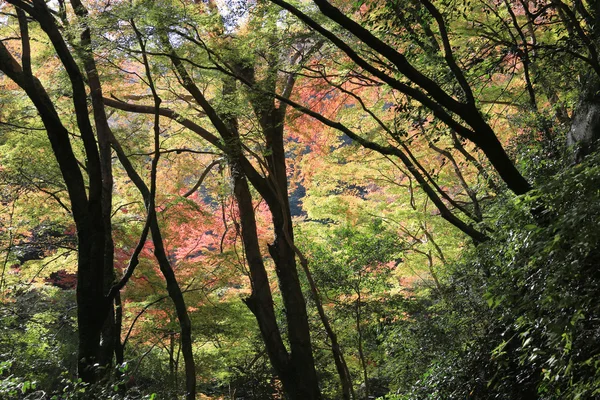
235,13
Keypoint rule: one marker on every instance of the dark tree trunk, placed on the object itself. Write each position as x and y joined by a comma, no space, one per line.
296,370
119,348
103,133
260,301
92,306
176,296
173,288
87,208
489,143
284,256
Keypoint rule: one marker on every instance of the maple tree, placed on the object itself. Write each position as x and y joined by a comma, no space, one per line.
89,209
92,210
313,176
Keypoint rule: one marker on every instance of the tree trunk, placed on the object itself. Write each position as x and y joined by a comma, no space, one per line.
361,354
302,363
260,301
338,355
284,256
488,142
180,308
92,308
103,133
119,348
585,128
173,288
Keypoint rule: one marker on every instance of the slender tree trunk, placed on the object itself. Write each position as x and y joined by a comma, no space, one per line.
119,348
260,301
302,362
180,308
173,288
172,359
159,251
361,353
296,369
289,368
338,356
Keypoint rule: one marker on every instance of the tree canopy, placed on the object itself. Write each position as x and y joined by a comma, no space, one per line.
299,199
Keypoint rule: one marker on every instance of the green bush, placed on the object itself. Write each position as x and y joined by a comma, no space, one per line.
529,298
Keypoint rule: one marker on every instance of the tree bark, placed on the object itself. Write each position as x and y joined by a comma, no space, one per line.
584,134
87,208
284,256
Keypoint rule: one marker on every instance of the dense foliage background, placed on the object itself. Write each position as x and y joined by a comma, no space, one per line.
303,199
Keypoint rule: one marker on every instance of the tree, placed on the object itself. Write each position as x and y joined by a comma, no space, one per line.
88,208
296,370
92,210
352,266
236,137
444,106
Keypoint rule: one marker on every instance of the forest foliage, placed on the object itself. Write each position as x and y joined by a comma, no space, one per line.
343,199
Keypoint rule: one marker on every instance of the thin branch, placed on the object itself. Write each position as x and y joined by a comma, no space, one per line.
202,177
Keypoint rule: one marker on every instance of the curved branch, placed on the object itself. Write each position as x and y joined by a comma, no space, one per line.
202,177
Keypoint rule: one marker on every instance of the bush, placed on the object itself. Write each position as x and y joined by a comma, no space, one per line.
529,298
